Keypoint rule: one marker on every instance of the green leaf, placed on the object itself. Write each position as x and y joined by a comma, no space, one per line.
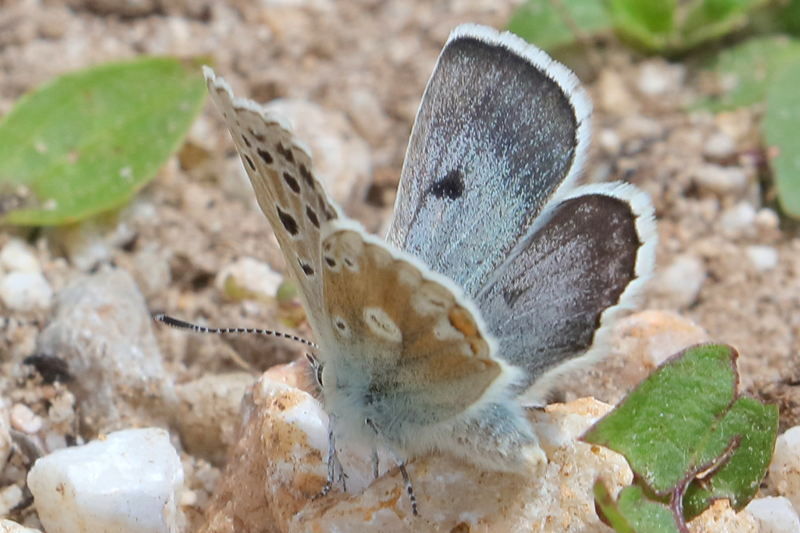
647,22
779,127
673,27
633,512
87,141
711,19
738,479
550,24
748,70
665,428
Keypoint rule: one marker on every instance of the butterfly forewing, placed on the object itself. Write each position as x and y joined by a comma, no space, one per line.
280,171
501,127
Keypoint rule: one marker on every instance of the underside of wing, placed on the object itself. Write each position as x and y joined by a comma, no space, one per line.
403,334
279,168
500,129
551,303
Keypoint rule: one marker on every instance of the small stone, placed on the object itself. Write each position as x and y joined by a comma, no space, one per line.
720,180
248,278
719,146
7,526
103,330
84,244
129,481
17,256
657,78
10,497
767,219
609,141
614,95
764,258
680,283
784,470
738,220
651,337
721,518
774,515
25,420
366,113
208,413
25,291
152,272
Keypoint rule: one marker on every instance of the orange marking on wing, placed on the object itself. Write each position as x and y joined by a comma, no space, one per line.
460,319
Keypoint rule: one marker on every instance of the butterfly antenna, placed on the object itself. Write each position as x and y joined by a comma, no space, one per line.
180,324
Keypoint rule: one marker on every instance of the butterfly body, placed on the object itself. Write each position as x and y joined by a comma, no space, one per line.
497,274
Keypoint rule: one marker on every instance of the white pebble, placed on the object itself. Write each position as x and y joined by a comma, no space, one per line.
25,291
17,256
10,497
764,258
767,219
25,420
609,141
784,470
250,276
774,515
129,481
720,180
7,526
682,280
718,146
657,78
738,220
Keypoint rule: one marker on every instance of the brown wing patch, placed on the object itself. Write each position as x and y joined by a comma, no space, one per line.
417,335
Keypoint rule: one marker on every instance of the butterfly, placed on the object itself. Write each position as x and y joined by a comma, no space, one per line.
497,275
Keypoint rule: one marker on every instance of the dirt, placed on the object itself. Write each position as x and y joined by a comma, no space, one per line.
368,61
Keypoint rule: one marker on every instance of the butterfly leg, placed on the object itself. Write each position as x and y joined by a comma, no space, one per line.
376,472
335,469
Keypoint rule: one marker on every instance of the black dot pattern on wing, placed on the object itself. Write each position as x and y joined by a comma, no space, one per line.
280,171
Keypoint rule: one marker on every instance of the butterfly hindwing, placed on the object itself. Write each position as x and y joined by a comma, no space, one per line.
581,262
402,332
501,128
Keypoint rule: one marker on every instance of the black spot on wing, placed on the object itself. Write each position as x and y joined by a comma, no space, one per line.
312,216
450,186
249,162
288,221
266,156
307,269
291,182
286,153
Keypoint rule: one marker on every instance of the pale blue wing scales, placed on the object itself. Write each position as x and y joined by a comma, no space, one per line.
500,129
551,303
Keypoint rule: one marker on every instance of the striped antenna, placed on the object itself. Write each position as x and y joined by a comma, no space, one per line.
180,324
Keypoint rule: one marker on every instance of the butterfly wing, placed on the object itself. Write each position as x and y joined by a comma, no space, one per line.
501,129
554,297
279,168
401,346
409,348
487,197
